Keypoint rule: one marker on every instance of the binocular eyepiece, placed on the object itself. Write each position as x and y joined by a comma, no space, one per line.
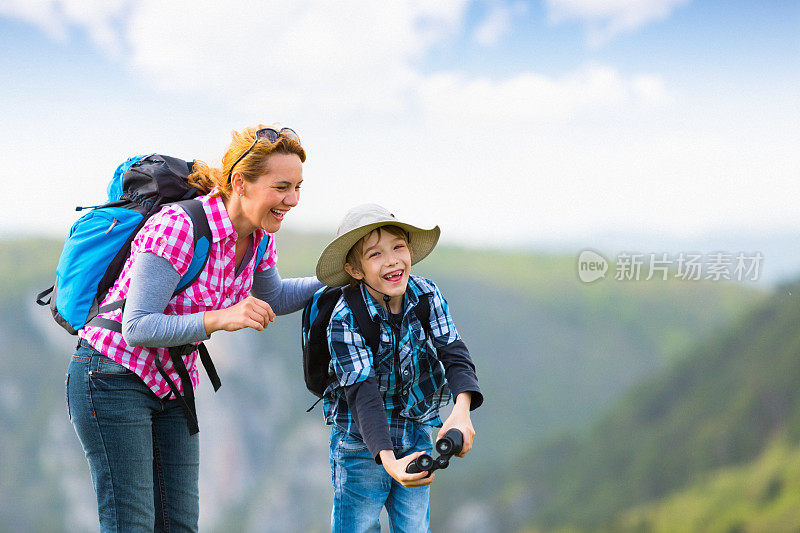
451,443
448,446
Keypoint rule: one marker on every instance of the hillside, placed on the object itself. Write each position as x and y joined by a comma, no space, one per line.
758,496
719,407
551,354
29,396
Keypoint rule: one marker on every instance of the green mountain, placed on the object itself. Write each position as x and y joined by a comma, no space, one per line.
551,352
31,391
719,407
758,496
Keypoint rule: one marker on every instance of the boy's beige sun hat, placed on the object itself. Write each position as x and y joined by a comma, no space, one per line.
357,223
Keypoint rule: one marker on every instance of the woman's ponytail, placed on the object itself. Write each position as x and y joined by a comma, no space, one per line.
204,177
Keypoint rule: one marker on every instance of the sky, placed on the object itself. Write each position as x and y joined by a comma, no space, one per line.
515,123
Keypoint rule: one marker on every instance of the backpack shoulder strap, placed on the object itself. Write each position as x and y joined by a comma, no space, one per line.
262,249
423,312
202,242
368,327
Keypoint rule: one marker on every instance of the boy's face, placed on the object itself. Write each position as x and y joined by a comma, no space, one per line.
385,264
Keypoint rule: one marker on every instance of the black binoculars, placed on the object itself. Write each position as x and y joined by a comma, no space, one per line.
447,446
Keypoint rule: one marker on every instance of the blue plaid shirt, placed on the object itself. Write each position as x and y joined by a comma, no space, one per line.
421,389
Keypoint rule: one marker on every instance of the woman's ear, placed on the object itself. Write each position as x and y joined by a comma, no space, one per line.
353,271
237,184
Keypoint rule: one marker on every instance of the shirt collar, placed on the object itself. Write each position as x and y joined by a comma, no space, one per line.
218,219
376,309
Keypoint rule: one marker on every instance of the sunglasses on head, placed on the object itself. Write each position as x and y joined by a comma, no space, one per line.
268,136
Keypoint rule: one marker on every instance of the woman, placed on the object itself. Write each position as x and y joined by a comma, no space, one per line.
142,455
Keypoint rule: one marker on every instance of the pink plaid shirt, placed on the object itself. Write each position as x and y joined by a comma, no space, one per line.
168,234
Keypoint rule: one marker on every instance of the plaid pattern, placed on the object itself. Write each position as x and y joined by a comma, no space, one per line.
421,389
169,234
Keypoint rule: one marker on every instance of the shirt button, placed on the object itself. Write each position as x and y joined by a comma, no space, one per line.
405,372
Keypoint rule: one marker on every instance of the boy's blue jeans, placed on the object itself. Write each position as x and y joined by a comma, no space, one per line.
144,463
361,488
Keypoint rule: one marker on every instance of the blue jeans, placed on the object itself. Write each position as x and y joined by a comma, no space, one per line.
144,463
361,487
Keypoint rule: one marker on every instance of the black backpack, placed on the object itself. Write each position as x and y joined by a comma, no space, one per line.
314,332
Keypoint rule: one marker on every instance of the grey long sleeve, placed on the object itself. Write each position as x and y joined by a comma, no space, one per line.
153,280
283,295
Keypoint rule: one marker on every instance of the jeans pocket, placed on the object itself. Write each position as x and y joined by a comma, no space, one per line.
66,396
108,367
350,444
108,376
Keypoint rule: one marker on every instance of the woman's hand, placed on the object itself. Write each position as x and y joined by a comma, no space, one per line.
397,469
249,313
460,420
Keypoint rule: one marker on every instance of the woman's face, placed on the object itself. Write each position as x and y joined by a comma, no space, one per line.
267,200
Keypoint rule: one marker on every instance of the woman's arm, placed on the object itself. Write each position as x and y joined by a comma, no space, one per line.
283,295
153,280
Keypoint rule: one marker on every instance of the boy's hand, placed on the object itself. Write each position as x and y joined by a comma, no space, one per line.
460,419
397,469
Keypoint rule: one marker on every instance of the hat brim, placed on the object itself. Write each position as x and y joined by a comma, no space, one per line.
330,266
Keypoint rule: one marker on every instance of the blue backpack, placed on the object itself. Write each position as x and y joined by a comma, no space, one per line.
99,244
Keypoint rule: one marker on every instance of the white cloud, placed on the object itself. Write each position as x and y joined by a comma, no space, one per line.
98,18
305,56
529,157
497,22
41,13
336,58
605,19
535,97
651,89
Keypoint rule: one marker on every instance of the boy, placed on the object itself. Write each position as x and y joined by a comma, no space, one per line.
383,406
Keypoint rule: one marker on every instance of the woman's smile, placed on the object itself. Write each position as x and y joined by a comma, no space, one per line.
278,213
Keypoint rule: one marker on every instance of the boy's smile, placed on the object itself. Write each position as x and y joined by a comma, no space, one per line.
385,267
395,276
